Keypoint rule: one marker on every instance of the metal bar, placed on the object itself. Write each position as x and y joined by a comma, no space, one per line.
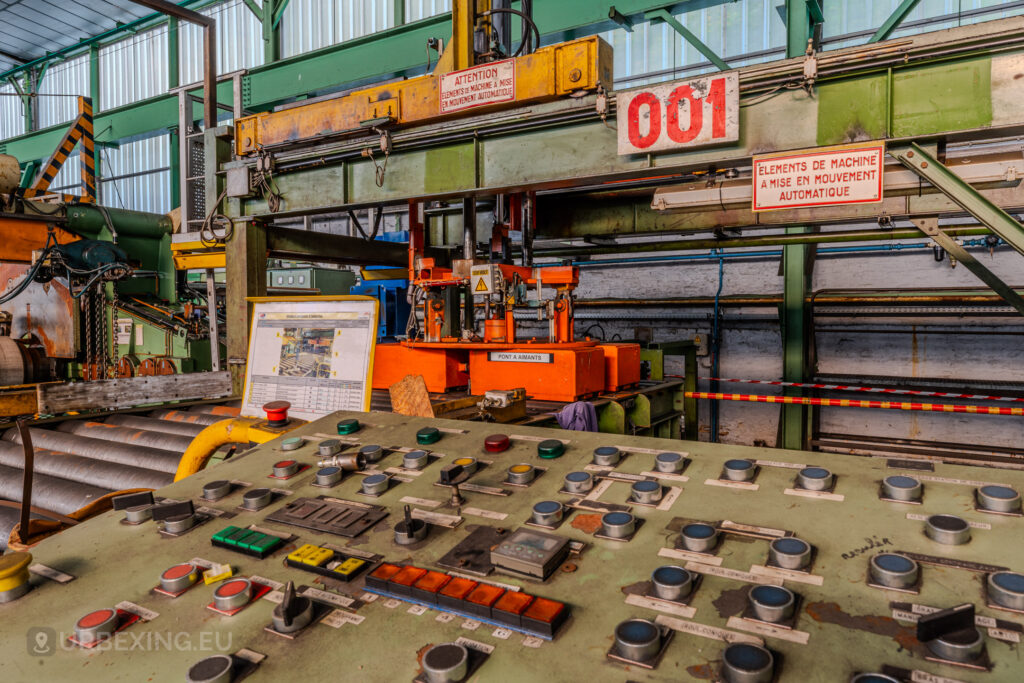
98,449
290,243
209,51
894,20
688,36
930,227
211,314
254,8
50,493
798,27
914,157
75,468
691,408
154,425
98,430
279,12
794,320
26,484
855,403
246,253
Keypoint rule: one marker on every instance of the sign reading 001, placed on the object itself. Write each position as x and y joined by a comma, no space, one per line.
680,115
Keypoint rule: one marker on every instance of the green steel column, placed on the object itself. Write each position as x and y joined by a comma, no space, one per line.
94,80
272,11
399,12
174,138
173,63
799,28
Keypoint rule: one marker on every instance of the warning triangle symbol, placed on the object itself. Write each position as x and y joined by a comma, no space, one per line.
481,286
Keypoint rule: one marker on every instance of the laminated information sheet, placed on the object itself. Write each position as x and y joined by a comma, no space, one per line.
314,352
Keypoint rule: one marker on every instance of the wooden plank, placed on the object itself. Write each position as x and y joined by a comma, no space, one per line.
409,397
132,391
16,403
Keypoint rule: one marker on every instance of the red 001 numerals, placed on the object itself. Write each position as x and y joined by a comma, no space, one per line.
676,115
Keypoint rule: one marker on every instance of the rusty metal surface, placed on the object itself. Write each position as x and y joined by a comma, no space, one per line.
45,311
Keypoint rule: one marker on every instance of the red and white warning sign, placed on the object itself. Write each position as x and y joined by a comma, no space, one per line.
849,174
477,86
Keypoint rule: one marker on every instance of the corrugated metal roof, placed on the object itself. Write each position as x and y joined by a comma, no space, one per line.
30,29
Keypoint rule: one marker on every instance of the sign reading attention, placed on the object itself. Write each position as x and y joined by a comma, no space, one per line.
477,86
680,115
850,174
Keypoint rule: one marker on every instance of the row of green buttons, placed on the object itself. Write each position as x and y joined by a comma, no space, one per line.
246,539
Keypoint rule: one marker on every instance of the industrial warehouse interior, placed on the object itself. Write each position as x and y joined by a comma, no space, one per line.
512,340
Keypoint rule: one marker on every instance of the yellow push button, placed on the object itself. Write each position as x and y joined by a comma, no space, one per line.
300,553
14,575
318,557
349,566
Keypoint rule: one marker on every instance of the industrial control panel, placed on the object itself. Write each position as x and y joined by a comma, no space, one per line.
377,547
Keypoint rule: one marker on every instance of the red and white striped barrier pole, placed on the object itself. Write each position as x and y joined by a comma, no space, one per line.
872,390
858,403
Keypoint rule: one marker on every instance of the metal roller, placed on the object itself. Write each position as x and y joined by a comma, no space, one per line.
85,470
50,493
154,425
9,518
97,449
220,410
173,443
186,416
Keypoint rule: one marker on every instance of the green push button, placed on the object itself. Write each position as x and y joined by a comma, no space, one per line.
249,539
350,426
428,435
266,544
550,449
223,534
236,536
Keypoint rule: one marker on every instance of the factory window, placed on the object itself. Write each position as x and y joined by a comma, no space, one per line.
12,117
60,84
312,24
134,69
239,41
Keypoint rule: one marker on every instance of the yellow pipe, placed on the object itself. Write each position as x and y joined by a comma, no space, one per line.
235,430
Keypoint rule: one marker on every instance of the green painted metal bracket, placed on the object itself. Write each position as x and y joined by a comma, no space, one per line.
688,36
817,14
894,20
914,157
801,18
254,8
279,12
930,227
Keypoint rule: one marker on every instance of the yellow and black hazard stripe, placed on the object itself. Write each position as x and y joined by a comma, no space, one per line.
81,129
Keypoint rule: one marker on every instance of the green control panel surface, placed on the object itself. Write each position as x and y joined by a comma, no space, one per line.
490,554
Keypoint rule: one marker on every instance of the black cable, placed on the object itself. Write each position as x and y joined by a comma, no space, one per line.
525,40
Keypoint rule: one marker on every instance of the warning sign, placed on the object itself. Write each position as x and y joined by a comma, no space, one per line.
481,279
850,174
477,86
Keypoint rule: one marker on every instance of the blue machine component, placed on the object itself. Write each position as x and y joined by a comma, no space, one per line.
394,308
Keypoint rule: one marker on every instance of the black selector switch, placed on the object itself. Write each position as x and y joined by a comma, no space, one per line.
450,474
410,530
293,613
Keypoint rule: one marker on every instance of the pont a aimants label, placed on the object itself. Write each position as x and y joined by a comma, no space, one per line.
478,86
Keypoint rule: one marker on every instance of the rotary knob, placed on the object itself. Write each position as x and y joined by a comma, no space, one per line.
669,462
293,613
739,470
179,523
523,473
638,640
232,594
699,538
415,460
894,571
375,484
962,646
947,529
179,577
998,498
647,492
902,487
285,468
671,582
213,669
815,479
446,663
747,663
410,530
790,553
328,476
773,604
607,456
578,482
547,513
257,499
96,626
618,524
1006,589
214,490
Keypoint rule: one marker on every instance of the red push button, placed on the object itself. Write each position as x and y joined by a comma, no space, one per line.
496,443
277,413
